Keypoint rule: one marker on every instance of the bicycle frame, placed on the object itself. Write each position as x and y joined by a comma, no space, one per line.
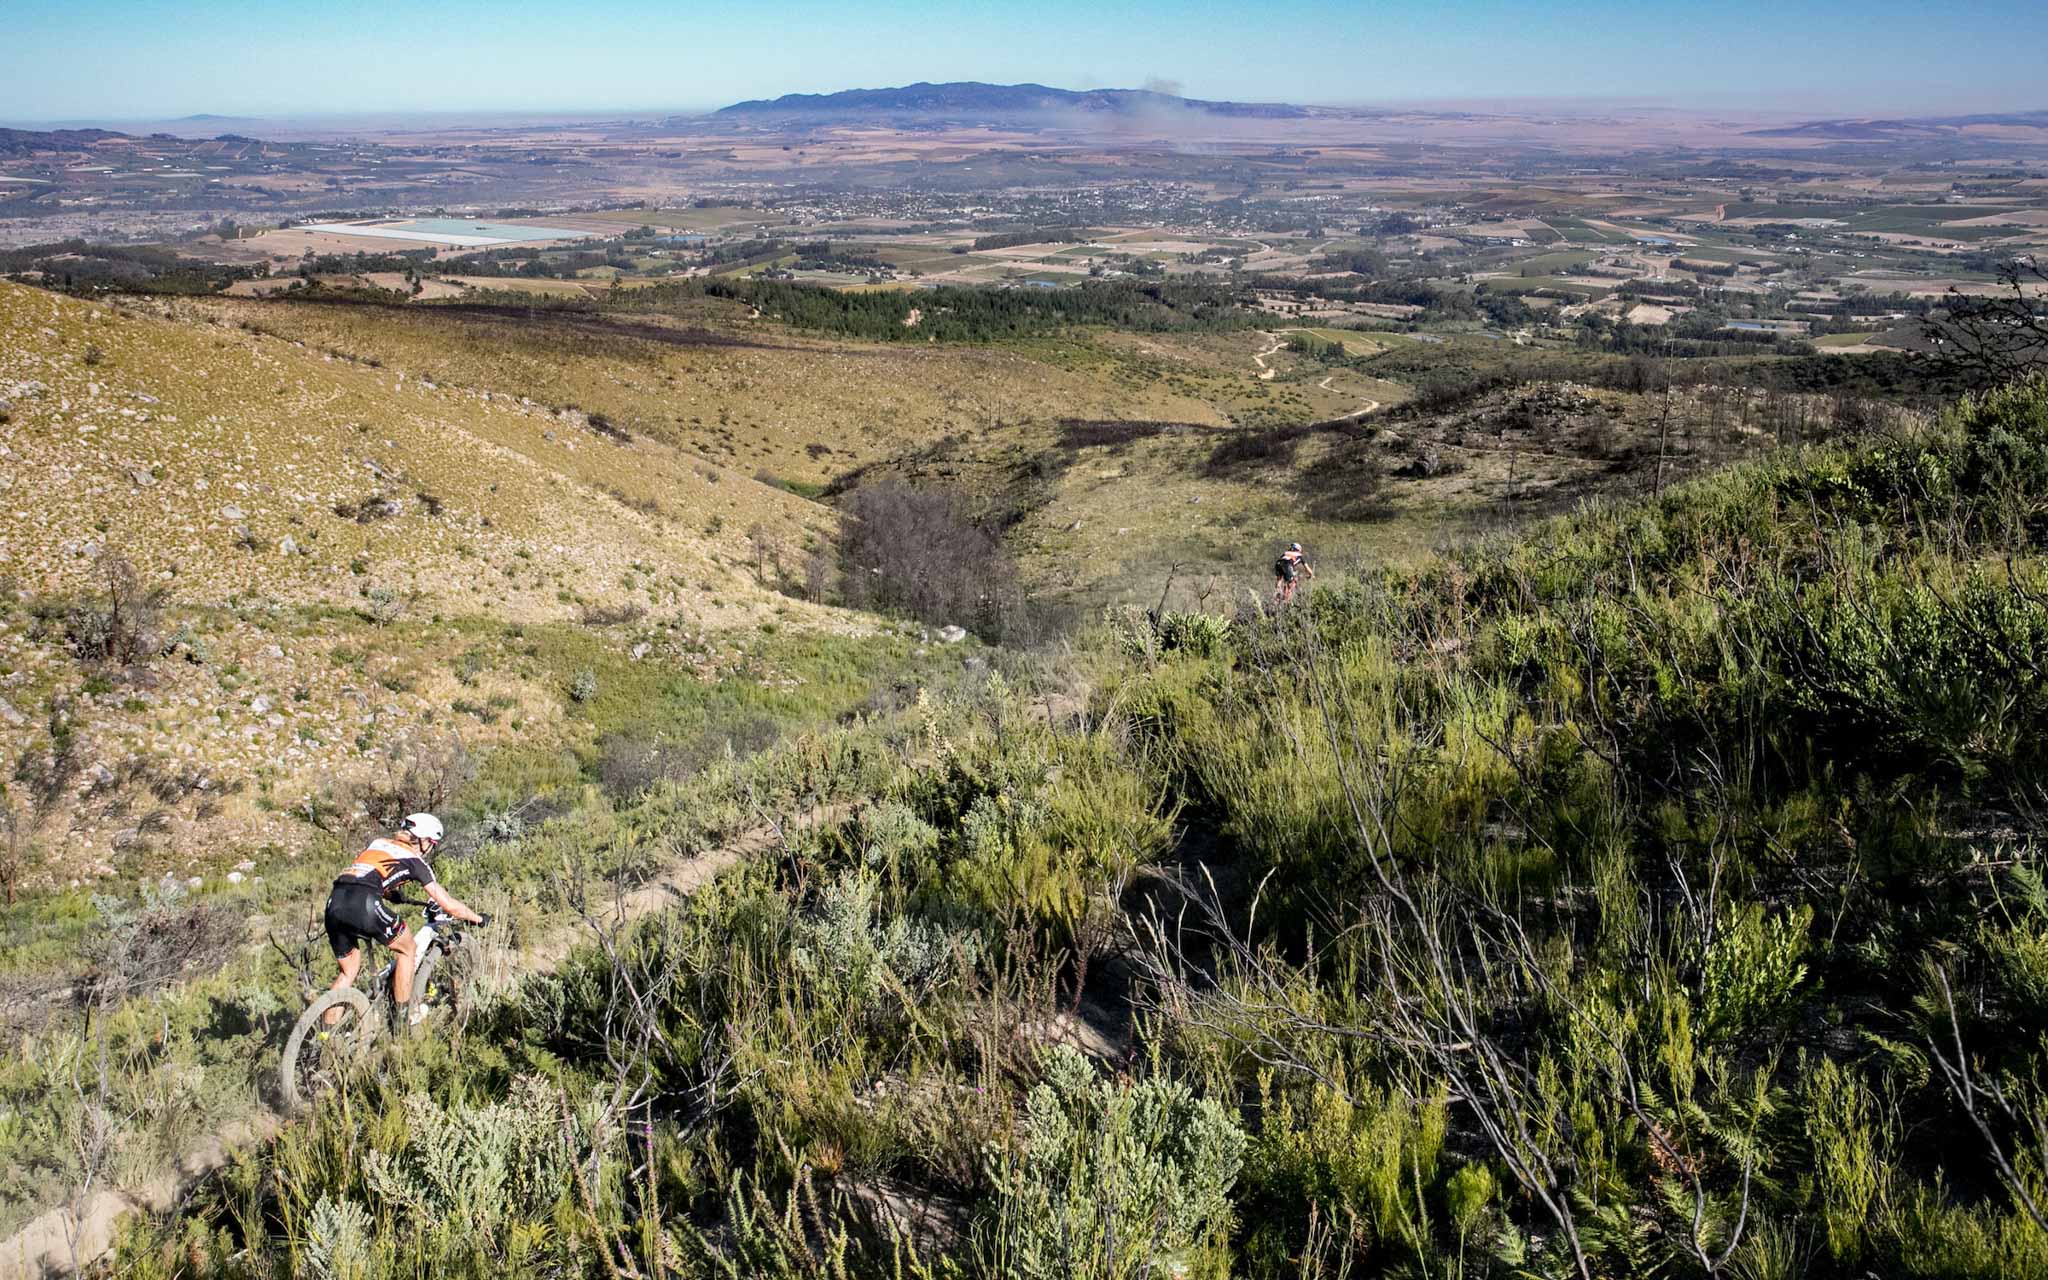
425,939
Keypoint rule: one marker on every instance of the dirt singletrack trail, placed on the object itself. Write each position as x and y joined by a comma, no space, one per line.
59,1241
1370,403
1265,371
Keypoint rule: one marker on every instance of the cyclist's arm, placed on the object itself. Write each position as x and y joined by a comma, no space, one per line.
1308,568
453,905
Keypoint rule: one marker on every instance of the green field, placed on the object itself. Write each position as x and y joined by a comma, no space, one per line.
1564,284
1578,231
1545,263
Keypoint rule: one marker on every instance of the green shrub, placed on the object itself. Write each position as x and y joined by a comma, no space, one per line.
1112,1180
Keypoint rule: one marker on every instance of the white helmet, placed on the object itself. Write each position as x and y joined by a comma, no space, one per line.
424,825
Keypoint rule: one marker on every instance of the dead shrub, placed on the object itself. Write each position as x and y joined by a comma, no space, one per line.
913,552
613,615
629,764
369,508
420,775
118,627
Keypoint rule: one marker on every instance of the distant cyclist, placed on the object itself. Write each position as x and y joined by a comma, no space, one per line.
356,910
1288,571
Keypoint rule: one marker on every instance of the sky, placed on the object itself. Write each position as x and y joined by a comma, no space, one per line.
112,60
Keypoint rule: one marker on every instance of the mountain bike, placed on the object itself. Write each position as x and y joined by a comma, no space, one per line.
317,1055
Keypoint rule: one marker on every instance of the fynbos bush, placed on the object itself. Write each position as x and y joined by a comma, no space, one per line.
1114,1180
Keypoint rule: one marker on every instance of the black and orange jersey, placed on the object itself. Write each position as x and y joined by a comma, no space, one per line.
385,866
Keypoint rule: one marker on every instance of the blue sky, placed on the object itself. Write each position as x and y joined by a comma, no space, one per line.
156,59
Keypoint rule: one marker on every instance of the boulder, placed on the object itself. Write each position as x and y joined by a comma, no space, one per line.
952,634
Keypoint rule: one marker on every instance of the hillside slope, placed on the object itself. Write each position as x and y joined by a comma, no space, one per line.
1656,893
321,533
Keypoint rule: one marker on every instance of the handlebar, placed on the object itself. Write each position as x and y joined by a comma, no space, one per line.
434,913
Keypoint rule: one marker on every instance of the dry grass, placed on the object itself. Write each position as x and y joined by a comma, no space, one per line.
325,532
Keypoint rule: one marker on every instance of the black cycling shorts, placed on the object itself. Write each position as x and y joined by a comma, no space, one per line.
356,913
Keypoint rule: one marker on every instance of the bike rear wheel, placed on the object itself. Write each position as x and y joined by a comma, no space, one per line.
317,1055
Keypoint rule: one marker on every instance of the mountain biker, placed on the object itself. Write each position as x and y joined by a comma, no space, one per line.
1287,571
356,910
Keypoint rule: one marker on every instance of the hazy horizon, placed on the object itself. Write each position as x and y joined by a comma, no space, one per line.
633,57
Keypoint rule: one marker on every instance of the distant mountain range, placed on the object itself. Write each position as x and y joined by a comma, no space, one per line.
1904,129
26,142
973,98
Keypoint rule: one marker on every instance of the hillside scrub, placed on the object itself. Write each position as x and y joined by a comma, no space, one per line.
739,1086
1655,893
1686,846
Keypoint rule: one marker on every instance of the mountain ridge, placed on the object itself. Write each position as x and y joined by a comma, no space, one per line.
979,96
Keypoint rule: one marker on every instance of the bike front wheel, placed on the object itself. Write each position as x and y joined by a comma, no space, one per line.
436,994
318,1054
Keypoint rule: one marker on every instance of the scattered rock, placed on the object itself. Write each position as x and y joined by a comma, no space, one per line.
952,634
640,650
234,877
261,706
232,512
1074,527
1425,464
273,651
9,716
287,546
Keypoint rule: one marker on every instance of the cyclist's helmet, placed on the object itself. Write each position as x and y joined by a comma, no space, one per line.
424,826
1294,546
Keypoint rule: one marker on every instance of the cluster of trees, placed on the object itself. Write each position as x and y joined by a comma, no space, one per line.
331,264
531,264
1034,235
959,314
1364,262
1689,337
823,255
79,266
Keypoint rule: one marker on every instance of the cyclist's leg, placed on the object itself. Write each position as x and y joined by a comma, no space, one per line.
351,963
404,956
